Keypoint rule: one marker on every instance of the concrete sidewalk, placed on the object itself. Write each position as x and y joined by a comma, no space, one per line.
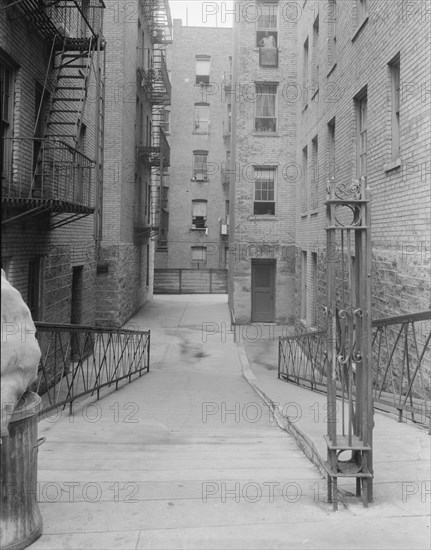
189,456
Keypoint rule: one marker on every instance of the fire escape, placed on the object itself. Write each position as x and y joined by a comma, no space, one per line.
157,89
47,171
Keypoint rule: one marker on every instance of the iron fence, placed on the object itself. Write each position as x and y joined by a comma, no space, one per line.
82,360
401,361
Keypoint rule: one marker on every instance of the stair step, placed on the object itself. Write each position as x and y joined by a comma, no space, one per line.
62,123
76,56
67,66
66,99
65,111
71,76
69,88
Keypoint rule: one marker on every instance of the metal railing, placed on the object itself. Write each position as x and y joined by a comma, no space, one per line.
59,173
82,360
67,18
159,150
401,359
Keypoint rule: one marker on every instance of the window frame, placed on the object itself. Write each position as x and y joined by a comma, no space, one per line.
202,78
262,29
259,95
264,202
197,118
7,93
332,31
331,148
315,173
204,170
201,261
199,220
395,73
361,105
315,56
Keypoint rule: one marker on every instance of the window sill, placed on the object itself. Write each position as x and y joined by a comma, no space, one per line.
201,133
265,134
393,165
304,214
331,70
314,212
359,29
304,107
263,218
198,228
315,93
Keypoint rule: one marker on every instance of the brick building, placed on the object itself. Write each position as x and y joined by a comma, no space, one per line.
261,268
199,130
136,154
348,97
51,60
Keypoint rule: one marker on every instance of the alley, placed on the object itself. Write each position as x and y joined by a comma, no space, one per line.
189,456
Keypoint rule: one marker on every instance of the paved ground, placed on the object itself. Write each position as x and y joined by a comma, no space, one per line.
190,456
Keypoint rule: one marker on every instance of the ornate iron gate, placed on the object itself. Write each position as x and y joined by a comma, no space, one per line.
348,314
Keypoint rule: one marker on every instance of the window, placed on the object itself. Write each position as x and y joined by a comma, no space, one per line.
331,149
305,72
201,123
167,121
304,286
361,135
362,10
266,31
313,304
227,212
6,98
332,31
199,255
266,115
264,191
315,173
267,35
200,172
304,179
203,69
394,67
315,83
199,214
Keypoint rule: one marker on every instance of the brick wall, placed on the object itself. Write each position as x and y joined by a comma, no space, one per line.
189,42
400,204
122,289
262,236
27,240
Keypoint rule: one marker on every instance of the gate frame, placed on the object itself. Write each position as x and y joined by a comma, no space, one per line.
349,336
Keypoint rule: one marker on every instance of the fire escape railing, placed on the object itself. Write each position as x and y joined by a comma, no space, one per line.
64,18
401,354
155,80
50,170
158,153
158,16
83,360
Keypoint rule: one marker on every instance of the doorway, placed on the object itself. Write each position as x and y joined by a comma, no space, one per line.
262,291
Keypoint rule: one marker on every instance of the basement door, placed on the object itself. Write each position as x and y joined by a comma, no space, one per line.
262,291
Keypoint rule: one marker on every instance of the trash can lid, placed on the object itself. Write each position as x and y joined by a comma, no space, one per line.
28,405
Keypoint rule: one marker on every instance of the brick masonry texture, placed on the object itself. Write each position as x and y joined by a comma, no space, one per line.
189,42
123,288
401,197
28,240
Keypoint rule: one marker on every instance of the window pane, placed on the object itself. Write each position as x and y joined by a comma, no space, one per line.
199,208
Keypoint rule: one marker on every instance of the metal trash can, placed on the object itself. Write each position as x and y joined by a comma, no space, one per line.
21,521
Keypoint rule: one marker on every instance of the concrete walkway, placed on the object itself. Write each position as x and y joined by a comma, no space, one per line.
190,456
